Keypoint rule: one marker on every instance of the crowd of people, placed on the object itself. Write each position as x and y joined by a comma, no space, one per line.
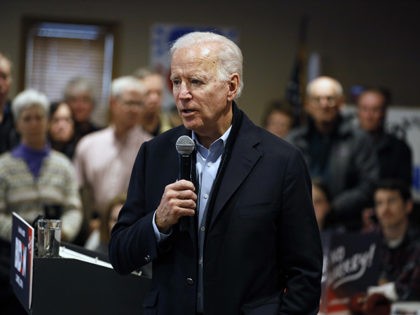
361,181
53,154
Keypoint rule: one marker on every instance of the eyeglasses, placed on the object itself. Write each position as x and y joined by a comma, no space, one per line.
330,100
131,103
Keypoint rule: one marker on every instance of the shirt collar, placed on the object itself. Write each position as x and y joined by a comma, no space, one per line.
219,143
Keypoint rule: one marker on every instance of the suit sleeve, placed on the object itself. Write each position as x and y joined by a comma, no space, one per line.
301,252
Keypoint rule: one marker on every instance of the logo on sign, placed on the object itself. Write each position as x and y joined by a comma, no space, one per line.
21,252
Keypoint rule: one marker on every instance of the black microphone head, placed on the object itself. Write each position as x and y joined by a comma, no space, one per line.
185,145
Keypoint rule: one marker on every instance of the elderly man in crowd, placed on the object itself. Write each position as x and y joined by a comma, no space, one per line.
104,158
335,153
152,118
393,154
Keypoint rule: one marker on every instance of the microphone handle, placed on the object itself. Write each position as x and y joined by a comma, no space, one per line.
185,167
185,173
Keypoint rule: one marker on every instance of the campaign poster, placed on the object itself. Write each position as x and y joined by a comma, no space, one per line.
22,251
351,264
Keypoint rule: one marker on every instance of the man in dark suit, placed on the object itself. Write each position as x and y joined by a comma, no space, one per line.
241,237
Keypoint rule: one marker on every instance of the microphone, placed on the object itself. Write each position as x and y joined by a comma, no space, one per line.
185,146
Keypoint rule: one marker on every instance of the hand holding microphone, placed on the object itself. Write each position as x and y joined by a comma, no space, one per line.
179,198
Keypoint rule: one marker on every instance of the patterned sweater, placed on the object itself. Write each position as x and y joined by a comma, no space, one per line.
20,192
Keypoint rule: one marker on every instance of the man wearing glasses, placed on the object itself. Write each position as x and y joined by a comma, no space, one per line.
335,154
104,158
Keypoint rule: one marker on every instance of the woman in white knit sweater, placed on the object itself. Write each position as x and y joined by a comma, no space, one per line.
33,177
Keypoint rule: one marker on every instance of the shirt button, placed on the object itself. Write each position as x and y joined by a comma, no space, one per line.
205,196
203,228
190,281
147,258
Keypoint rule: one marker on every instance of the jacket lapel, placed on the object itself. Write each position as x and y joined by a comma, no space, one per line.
243,158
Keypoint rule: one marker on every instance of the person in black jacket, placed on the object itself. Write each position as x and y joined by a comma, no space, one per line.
335,153
394,154
239,238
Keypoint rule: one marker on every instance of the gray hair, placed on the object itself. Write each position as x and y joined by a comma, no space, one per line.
144,72
29,98
124,83
79,85
229,55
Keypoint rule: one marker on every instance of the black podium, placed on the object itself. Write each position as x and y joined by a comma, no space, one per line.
69,286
